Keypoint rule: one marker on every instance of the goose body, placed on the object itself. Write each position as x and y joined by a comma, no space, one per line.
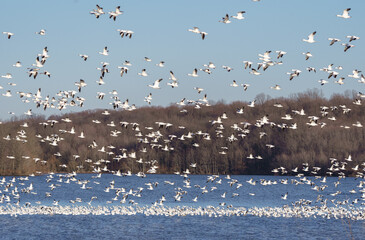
156,84
8,34
105,51
345,14
310,38
239,15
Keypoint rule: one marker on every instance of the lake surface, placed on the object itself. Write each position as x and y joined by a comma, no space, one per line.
59,206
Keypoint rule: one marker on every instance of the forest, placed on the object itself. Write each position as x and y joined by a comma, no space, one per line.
304,129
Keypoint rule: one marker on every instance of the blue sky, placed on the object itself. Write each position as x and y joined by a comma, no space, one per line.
161,33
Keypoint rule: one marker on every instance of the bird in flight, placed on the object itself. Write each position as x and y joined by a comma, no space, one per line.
347,46
99,11
225,19
239,15
310,38
84,56
8,34
105,51
116,13
333,40
196,30
345,13
156,84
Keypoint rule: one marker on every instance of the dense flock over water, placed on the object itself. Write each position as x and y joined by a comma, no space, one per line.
183,195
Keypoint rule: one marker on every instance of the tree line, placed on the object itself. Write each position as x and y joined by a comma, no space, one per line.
216,139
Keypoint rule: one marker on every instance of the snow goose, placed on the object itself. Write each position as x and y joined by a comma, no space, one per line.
123,70
99,11
125,33
340,81
8,34
228,68
7,94
333,40
33,72
345,13
42,32
194,30
199,89
255,72
239,15
115,14
352,38
245,86
225,19
252,104
248,64
18,64
80,84
322,82
148,99
280,54
194,74
101,81
48,74
143,73
276,87
161,64
234,84
7,76
310,38
105,51
355,74
347,46
307,55
210,65
156,84
293,74
310,69
84,56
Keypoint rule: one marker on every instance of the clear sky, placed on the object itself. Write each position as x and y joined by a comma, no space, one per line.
161,33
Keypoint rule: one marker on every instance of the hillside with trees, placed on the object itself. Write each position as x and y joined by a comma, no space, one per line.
302,130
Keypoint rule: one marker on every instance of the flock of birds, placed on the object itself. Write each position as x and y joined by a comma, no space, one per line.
122,199
72,98
13,188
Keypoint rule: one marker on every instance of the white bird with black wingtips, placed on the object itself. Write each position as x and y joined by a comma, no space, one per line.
156,84
143,73
347,46
8,34
345,14
310,38
239,15
194,74
84,56
225,19
116,13
105,51
42,32
333,40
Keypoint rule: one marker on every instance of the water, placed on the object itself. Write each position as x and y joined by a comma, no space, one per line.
142,227
59,226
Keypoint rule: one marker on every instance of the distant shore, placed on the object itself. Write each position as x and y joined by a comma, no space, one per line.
304,134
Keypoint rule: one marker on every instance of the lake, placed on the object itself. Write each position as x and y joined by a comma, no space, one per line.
66,206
